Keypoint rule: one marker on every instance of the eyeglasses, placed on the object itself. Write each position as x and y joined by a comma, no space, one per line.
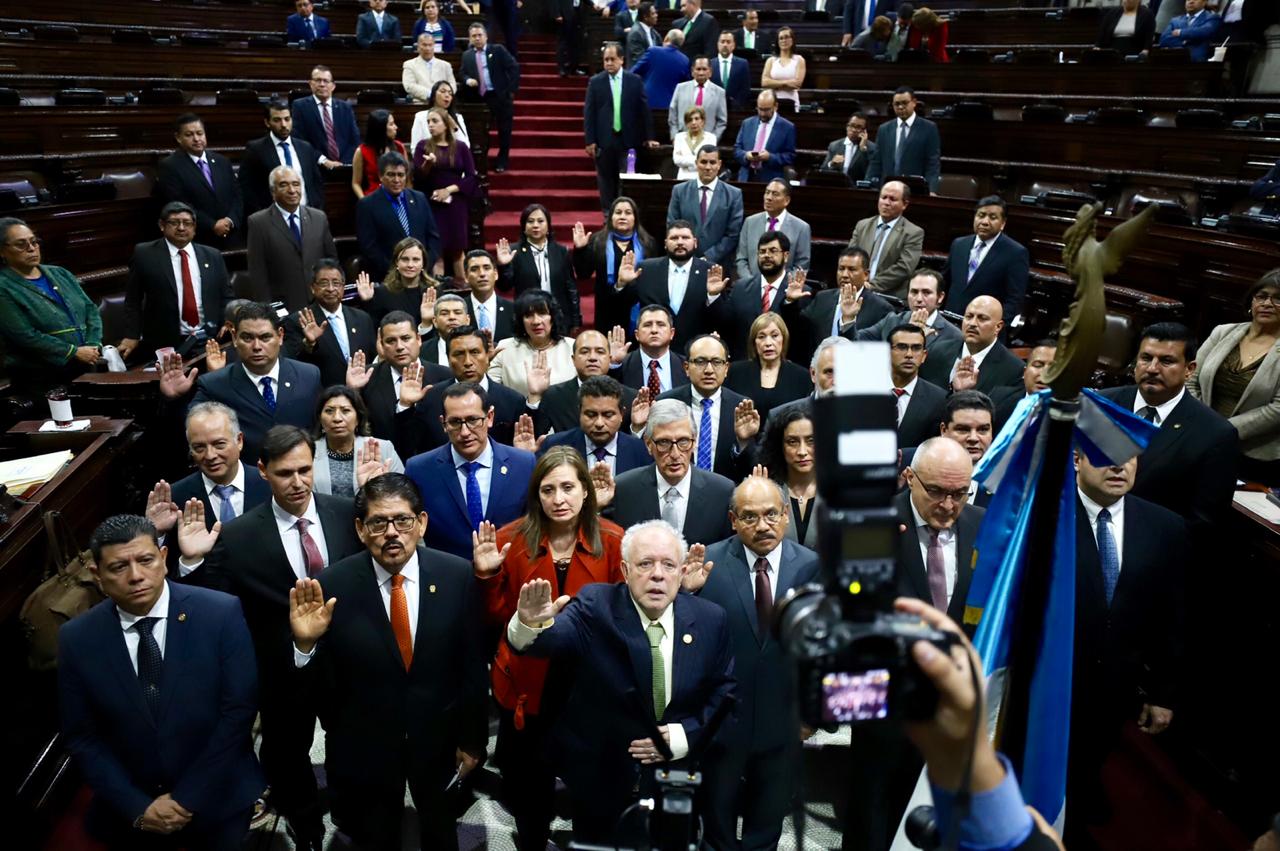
772,517
937,494
24,244
703,363
914,348
456,423
378,525
182,224
664,444
650,565
1266,298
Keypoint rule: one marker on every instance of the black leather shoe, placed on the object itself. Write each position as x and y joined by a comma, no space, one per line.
500,168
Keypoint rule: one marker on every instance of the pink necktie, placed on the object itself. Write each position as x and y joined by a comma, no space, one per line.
698,102
480,66
764,128
773,222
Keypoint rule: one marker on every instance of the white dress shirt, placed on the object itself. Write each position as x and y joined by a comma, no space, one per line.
176,262
490,307
276,142
947,538
338,325
274,375
1116,510
291,537
412,594
978,357
774,557
484,473
682,488
1162,411
986,249
159,629
904,399
711,191
237,496
542,263
777,285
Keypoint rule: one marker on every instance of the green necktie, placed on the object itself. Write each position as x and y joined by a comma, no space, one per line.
688,27
724,72
615,83
655,633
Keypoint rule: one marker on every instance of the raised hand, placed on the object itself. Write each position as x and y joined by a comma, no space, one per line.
427,310
746,421
312,330
920,319
411,387
602,481
162,511
966,374
538,375
369,463
640,409
581,236
486,558
618,345
696,568
214,357
795,286
504,252
524,436
760,470
535,606
194,540
309,613
364,286
850,304
358,374
174,383
627,270
716,281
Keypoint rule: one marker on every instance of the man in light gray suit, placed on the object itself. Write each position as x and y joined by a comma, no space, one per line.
718,226
714,101
891,241
285,242
777,197
643,35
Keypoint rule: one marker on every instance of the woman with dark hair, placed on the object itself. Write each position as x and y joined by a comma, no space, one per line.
538,351
784,71
431,22
346,456
766,375
444,171
52,331
442,95
407,286
539,262
379,138
563,540
787,456
601,254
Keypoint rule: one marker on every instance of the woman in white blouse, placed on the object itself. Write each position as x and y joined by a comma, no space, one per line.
441,96
687,143
539,345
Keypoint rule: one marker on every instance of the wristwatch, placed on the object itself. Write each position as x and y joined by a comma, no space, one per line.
137,823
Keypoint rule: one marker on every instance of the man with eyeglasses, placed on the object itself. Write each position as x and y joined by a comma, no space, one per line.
406,696
286,241
920,403
772,285
326,332
764,745
326,123
851,154
471,479
176,289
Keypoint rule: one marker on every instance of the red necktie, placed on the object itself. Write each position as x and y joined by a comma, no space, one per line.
400,620
698,102
766,299
330,141
190,314
310,551
655,381
764,597
899,392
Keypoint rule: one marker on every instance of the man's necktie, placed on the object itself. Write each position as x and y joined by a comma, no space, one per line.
601,454
402,213
936,572
400,620
654,382
268,395
482,72
615,88
702,205
749,40
150,663
311,30
759,146
898,393
704,437
975,257
725,64
226,511
294,229
311,556
190,312
482,318
766,297
678,285
475,503
897,149
698,101
882,236
654,633
339,334
1107,554
288,156
1149,413
773,223
670,507
204,169
688,26
330,140
764,598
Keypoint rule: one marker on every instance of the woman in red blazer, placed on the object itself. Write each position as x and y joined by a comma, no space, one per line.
563,540
929,33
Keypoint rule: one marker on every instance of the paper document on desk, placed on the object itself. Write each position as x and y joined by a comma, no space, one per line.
20,473
1259,505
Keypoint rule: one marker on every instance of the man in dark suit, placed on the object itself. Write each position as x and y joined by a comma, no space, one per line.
752,570
569,22
851,154
981,361
713,405
326,123
388,215
490,74
176,288
305,25
326,332
1006,399
906,145
714,206
377,25
286,242
654,366
926,291
558,409
157,694
989,263
204,181
472,478
768,289
844,310
612,94
701,30
967,418
485,309
1189,465
279,147
644,34
692,500
452,311
258,557
766,142
680,281
660,663
920,403
625,19
398,346
395,660
749,36
504,15
599,437
731,73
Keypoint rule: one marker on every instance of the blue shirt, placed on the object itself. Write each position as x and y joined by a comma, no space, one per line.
997,818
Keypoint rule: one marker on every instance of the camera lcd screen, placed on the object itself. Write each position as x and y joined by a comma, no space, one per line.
848,697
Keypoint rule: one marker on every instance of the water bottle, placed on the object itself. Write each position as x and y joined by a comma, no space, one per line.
631,160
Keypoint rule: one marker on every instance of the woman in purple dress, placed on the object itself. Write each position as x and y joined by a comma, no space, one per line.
444,171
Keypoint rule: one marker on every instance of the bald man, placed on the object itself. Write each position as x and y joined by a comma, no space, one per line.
979,361
557,410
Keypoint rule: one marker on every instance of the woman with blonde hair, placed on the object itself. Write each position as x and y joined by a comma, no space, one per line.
406,287
766,375
690,140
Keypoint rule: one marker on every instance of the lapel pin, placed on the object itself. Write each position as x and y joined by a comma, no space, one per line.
182,616
688,639
1177,425
431,589
287,384
206,265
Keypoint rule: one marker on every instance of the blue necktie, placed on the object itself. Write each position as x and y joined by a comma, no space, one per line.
339,334
288,157
293,226
268,395
311,29
1107,554
475,505
402,213
482,318
226,511
704,437
150,664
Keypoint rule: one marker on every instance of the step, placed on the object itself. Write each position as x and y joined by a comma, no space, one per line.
561,199
554,160
518,180
547,123
549,93
507,223
550,139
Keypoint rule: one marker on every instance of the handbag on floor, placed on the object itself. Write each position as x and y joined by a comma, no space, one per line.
69,589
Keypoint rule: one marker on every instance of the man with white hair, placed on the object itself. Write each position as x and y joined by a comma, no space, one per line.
631,714
286,240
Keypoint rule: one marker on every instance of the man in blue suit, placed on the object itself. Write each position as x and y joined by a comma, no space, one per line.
920,151
766,142
731,73
157,691
394,212
662,69
304,25
377,25
661,663
713,206
1195,30
752,570
473,478
989,262
612,94
326,123
599,437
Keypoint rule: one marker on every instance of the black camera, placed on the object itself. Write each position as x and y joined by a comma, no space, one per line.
852,650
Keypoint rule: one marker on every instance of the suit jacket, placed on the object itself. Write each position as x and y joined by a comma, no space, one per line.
636,500
598,113
754,226
418,429
764,43
1197,38
913,580
260,157
946,333
695,316
299,387
922,155
714,101
1000,368
504,72
1003,273
631,371
559,408
701,38
925,410
1005,399
781,146
362,336
662,69
179,179
899,256
295,28
1144,29
151,296
622,23
631,450
446,505
857,167
419,78
1189,466
309,126
522,274
724,461
852,17
198,747
718,235
378,229
638,42
367,31
381,398
256,492
503,323
739,88
281,268
1256,417
811,320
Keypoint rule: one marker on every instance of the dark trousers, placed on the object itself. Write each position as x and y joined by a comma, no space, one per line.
528,779
611,160
118,835
371,814
504,16
886,767
288,725
568,37
758,786
502,108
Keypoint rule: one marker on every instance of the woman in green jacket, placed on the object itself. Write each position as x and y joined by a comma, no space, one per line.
51,330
